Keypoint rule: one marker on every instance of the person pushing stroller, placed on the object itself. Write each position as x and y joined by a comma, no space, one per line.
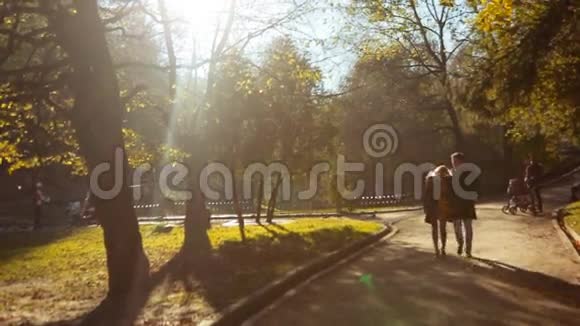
518,197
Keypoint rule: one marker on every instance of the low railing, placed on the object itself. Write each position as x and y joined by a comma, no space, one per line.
22,211
385,201
178,207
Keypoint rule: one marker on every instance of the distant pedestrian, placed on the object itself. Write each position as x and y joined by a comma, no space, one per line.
39,199
88,207
533,175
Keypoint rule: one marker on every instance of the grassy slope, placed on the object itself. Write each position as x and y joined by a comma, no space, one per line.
59,275
573,220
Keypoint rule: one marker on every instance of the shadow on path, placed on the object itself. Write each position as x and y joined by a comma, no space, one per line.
403,285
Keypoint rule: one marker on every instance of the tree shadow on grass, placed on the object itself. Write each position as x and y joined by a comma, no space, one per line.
227,274
274,230
235,270
279,226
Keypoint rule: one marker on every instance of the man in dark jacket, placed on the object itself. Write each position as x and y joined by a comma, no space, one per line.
465,205
534,172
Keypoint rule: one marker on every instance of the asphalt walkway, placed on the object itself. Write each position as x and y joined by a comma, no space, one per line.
523,273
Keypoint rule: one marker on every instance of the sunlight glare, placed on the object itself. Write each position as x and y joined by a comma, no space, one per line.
201,14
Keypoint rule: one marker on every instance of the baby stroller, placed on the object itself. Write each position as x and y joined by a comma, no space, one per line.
519,198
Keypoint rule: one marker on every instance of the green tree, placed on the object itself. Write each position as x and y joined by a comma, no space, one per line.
523,70
383,90
68,75
429,33
291,85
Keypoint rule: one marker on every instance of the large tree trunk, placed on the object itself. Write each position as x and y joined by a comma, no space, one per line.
196,241
452,111
97,118
167,203
456,127
196,244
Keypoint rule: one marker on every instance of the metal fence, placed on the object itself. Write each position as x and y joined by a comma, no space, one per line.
385,201
22,211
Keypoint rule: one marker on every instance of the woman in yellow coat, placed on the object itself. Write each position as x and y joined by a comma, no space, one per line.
438,204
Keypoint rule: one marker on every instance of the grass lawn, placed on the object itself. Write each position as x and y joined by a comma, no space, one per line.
573,220
49,276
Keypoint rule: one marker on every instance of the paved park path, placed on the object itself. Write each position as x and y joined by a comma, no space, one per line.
523,273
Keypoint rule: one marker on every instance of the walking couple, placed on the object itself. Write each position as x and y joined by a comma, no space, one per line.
444,201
